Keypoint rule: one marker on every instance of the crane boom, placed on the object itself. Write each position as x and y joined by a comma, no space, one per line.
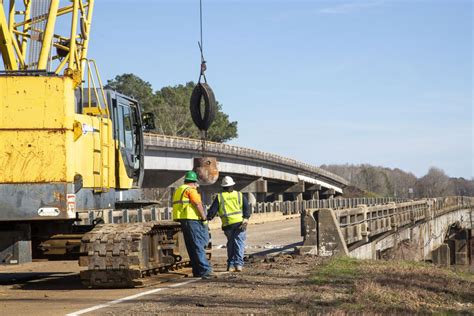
31,39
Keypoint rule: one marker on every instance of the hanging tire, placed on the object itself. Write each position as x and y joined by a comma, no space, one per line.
203,120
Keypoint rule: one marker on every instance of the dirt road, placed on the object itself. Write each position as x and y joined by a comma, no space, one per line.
54,288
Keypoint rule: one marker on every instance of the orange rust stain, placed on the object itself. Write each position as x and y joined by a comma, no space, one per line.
58,196
206,169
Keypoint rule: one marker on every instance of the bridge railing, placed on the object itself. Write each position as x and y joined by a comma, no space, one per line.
358,218
164,141
360,223
296,207
280,207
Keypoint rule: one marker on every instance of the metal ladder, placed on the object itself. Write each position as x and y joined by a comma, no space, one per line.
102,146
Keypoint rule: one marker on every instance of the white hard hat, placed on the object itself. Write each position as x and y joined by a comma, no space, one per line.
227,181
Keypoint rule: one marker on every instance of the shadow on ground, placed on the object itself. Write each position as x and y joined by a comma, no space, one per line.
42,281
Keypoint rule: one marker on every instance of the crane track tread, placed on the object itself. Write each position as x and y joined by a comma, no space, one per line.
125,255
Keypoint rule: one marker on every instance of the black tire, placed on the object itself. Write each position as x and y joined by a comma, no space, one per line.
203,122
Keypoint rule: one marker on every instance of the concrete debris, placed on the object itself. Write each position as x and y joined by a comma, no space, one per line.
266,246
253,247
272,247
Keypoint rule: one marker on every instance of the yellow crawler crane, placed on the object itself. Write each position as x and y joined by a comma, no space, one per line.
69,146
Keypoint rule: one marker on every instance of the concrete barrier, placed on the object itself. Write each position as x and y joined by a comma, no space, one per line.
258,218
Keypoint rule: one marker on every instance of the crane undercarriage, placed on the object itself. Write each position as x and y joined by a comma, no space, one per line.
123,255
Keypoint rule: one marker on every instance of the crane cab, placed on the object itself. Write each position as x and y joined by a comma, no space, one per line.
128,136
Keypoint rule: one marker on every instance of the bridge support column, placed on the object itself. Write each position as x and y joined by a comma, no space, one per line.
442,256
298,197
257,190
206,194
278,197
329,193
296,190
313,191
460,252
261,197
459,241
251,198
471,246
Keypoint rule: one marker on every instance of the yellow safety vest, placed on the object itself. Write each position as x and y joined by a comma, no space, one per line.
182,207
230,207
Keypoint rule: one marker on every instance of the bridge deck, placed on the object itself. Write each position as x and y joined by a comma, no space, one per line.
220,150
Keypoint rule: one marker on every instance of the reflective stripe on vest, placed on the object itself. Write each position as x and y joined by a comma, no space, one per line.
182,207
230,207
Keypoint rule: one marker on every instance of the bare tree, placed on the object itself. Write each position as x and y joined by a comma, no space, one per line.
463,187
434,183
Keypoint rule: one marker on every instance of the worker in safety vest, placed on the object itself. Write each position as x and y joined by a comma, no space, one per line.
233,209
188,210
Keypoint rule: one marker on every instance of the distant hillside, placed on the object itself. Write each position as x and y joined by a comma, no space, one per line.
381,181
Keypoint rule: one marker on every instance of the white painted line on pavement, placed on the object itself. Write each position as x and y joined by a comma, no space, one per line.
128,298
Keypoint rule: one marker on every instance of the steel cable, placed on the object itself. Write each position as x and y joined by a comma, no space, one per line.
202,116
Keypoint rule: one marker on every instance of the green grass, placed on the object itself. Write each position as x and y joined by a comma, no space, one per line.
391,287
336,270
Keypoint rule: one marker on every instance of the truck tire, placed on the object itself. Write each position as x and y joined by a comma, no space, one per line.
203,120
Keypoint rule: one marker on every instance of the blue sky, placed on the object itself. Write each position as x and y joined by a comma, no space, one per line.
382,82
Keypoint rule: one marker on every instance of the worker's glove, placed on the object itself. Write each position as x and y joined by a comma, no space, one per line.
244,224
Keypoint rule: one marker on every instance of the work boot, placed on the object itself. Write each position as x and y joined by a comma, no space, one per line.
210,275
231,269
238,268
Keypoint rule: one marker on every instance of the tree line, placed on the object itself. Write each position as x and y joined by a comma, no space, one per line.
386,182
170,105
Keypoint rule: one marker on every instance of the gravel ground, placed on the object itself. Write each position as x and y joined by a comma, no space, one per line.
267,285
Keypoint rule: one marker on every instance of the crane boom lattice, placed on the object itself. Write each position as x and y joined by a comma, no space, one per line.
45,35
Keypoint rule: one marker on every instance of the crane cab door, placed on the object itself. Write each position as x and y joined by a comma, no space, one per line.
128,136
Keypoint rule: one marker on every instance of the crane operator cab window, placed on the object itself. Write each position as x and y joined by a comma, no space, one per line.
129,135
128,130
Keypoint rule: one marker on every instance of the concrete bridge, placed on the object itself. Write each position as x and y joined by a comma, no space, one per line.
262,176
439,230
429,229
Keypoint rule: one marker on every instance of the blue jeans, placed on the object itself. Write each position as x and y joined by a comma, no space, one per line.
196,237
235,246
